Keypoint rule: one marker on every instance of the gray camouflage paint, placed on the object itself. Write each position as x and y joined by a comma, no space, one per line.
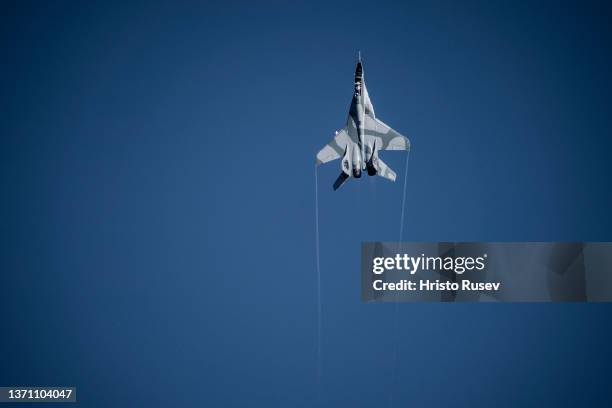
363,136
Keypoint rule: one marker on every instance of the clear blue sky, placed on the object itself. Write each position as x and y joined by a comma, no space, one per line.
158,198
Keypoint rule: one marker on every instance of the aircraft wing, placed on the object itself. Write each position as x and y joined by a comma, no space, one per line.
334,149
386,138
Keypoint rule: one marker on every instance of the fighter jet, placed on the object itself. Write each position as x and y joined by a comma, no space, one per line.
359,142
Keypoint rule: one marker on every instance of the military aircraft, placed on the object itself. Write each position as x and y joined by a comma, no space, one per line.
359,142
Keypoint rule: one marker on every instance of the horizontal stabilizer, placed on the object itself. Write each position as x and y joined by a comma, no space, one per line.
340,180
384,171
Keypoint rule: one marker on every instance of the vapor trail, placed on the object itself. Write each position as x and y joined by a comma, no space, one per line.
395,308
318,286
